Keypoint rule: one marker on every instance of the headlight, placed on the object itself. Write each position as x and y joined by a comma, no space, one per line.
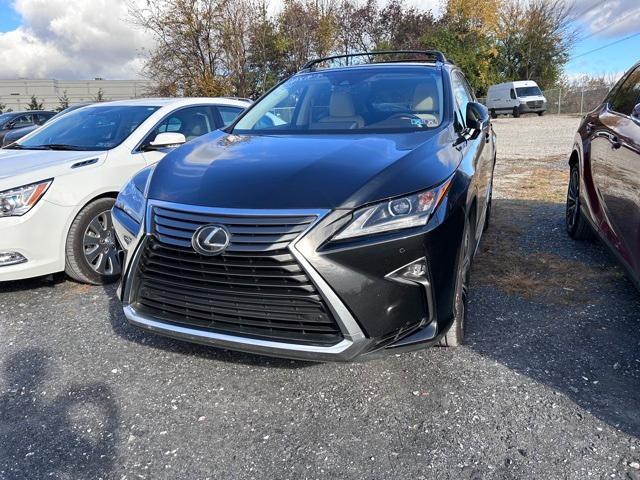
406,212
132,198
18,201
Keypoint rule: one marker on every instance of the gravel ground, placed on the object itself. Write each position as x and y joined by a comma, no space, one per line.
547,385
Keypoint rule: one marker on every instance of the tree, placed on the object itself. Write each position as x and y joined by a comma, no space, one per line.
34,104
534,40
64,101
2,107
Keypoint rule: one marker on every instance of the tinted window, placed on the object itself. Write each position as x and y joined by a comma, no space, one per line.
627,94
91,128
191,122
513,94
228,114
23,121
334,101
528,92
462,95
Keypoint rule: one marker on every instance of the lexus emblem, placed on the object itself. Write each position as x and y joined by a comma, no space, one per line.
210,239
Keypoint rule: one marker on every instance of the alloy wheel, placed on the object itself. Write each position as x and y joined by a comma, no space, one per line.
99,245
573,199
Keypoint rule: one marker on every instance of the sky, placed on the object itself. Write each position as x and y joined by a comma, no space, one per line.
80,39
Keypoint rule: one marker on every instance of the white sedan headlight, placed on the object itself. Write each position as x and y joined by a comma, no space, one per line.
18,201
398,213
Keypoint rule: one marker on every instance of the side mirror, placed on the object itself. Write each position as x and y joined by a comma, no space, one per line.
636,112
167,139
477,118
10,125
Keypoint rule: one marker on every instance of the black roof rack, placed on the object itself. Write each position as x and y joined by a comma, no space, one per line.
435,54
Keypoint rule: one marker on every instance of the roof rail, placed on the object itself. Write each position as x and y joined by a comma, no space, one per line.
437,55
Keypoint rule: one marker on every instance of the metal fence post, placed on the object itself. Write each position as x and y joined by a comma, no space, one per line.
559,99
581,100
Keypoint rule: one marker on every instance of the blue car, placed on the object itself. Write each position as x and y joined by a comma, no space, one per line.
336,218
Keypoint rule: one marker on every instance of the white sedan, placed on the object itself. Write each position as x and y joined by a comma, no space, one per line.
58,184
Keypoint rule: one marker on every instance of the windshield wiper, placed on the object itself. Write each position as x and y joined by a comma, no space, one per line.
58,146
15,146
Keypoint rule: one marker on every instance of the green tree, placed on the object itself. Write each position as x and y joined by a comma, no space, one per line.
2,107
99,96
64,101
34,104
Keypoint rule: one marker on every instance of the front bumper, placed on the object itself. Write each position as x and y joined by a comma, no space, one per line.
39,237
375,311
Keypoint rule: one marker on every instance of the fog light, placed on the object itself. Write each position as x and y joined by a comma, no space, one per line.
11,258
416,273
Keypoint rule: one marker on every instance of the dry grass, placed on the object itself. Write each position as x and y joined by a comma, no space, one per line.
505,263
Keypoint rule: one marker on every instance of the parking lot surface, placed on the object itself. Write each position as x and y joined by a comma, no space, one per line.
546,386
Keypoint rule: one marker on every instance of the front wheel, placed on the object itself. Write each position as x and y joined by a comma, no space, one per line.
493,113
455,334
92,249
516,112
541,113
577,226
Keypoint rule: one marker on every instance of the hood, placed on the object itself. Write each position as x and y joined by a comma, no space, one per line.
303,171
21,167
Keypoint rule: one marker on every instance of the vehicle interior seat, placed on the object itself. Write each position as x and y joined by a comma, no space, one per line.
342,113
424,105
195,126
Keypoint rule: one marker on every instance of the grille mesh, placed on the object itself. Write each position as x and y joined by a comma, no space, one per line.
256,288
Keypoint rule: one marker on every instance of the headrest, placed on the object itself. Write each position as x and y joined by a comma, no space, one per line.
341,104
424,97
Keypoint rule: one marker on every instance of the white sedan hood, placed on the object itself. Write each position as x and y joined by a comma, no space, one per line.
21,167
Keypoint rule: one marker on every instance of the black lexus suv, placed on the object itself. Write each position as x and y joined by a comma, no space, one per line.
336,218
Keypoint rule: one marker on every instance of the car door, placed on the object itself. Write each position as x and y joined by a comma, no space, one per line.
476,149
615,166
192,122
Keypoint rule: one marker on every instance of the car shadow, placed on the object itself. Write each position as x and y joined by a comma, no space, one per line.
558,311
73,435
123,329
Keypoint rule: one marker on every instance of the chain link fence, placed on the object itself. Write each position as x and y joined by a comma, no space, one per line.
574,100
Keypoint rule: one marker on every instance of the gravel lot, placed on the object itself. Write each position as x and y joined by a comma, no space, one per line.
547,386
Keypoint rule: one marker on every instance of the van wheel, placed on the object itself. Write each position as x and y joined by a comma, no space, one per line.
493,113
516,112
541,113
92,250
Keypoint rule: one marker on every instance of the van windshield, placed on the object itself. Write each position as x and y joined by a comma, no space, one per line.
344,101
528,92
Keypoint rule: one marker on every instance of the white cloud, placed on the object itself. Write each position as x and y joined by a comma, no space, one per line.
609,19
69,39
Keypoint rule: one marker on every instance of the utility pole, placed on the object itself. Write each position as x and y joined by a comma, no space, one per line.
581,100
559,99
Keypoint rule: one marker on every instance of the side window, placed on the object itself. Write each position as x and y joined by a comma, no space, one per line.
23,121
228,114
513,94
627,95
191,122
462,96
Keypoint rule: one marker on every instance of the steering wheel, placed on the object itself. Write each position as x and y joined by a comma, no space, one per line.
407,116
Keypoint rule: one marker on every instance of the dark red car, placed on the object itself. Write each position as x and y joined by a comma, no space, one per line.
604,187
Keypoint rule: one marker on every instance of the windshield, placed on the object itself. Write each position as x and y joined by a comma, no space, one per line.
359,99
90,128
5,117
528,92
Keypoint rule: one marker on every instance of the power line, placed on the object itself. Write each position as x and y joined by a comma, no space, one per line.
606,46
612,24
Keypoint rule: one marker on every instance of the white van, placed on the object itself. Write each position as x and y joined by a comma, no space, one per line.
514,98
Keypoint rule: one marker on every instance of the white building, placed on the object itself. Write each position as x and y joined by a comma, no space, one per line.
16,94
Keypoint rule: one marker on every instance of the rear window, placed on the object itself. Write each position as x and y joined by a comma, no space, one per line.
359,99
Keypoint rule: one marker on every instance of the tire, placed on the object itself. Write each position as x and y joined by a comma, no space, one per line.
578,227
455,335
516,112
540,114
493,113
91,254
